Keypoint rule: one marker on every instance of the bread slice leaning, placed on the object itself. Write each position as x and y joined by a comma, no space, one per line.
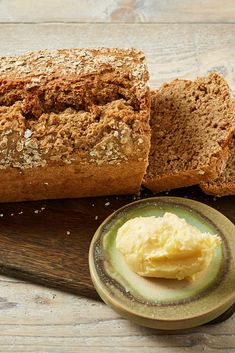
225,183
192,123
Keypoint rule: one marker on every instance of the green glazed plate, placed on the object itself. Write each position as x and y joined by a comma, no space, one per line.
161,303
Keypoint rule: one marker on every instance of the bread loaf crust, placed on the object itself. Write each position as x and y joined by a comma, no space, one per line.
69,181
214,189
77,117
224,184
189,177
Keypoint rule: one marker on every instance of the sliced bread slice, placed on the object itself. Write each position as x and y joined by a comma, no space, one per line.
225,183
192,123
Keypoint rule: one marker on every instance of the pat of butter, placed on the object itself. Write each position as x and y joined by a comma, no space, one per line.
165,247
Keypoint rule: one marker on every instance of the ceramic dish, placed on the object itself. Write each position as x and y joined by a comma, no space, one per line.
163,303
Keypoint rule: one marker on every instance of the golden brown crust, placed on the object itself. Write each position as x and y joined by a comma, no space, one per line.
80,107
192,123
189,177
218,189
77,61
224,184
70,181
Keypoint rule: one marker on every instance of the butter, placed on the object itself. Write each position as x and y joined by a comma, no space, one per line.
165,247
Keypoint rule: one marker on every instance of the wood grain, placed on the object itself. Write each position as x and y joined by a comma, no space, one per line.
131,11
38,320
48,241
185,50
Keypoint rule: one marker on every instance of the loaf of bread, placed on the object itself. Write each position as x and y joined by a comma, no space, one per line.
73,123
225,183
192,123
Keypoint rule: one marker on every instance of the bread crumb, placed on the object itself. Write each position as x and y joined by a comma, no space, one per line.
1,214
12,214
28,133
68,232
20,212
107,204
93,205
96,217
36,211
124,140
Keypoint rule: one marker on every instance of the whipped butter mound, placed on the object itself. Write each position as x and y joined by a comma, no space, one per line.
165,247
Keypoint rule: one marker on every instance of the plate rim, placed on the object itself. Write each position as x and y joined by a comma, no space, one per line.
146,320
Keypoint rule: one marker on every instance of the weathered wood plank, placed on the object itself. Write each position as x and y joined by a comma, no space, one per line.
184,50
36,319
47,348
117,11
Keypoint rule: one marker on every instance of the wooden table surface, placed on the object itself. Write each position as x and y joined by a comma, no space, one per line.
181,38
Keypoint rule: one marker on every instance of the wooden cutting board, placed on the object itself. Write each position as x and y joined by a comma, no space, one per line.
47,242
